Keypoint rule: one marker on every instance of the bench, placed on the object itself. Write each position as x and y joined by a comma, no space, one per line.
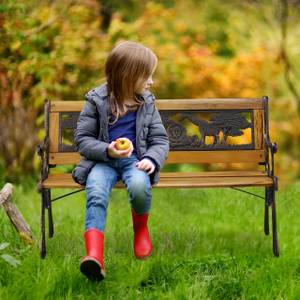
201,131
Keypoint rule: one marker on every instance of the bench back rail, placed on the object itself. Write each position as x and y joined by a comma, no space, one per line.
200,131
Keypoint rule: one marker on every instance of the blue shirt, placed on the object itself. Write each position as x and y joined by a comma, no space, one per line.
124,127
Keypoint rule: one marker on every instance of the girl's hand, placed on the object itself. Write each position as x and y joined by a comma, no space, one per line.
115,153
146,165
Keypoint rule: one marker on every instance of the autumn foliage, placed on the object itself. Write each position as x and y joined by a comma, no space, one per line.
56,50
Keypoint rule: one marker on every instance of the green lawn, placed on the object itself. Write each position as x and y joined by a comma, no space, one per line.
208,244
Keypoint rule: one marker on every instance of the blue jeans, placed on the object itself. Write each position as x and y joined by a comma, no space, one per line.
101,180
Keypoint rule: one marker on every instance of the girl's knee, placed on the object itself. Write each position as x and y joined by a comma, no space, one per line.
139,185
141,205
101,175
139,190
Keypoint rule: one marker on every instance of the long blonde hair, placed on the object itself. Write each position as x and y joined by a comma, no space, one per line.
128,65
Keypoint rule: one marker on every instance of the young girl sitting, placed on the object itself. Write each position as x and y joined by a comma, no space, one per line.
123,107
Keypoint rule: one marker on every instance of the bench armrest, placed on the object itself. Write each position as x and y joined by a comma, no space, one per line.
43,152
272,148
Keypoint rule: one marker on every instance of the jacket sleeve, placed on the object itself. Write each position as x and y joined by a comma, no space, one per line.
157,140
87,132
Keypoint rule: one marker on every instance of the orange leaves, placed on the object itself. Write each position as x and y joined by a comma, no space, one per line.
204,48
244,76
245,138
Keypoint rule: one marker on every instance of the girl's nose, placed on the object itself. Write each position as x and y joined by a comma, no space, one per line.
150,81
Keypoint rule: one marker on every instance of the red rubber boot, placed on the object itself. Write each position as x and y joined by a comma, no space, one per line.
92,265
142,242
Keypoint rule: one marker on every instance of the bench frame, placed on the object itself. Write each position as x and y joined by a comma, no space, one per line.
269,148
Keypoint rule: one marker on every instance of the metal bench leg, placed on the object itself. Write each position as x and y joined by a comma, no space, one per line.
274,225
267,204
43,229
50,218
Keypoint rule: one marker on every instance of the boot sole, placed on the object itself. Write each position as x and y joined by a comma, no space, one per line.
92,269
143,257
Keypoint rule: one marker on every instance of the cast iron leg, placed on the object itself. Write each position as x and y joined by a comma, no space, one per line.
274,225
50,218
267,204
43,235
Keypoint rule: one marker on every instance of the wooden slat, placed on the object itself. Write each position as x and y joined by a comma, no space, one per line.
258,128
64,158
60,181
228,156
179,157
216,182
177,180
66,106
54,132
205,104
175,104
212,174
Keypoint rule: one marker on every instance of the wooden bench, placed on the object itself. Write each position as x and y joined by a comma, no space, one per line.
201,131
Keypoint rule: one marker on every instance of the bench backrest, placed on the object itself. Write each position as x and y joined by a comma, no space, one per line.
200,130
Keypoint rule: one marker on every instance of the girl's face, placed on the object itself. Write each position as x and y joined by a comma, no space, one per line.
144,86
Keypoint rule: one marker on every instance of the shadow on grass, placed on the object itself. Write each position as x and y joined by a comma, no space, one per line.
219,262
221,276
209,242
183,242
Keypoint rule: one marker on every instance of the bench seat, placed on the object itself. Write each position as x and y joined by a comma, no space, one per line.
182,180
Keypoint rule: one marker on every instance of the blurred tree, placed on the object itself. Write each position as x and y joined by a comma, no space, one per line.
106,12
130,9
46,51
57,50
282,13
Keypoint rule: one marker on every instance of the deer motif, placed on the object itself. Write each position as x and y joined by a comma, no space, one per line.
177,133
230,123
205,128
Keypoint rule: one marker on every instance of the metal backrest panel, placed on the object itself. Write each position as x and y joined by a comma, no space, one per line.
209,129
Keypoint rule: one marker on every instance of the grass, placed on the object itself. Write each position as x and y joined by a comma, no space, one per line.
208,244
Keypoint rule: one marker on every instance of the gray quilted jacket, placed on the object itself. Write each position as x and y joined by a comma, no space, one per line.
92,139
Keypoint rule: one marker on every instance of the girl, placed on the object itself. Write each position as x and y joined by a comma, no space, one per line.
122,107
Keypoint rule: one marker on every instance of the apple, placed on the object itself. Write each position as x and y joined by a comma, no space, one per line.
122,143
